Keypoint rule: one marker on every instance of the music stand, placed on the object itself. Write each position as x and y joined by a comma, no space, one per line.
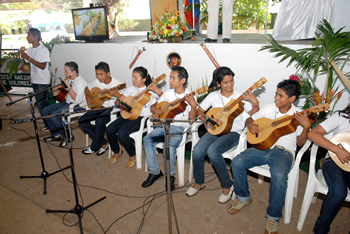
78,209
44,174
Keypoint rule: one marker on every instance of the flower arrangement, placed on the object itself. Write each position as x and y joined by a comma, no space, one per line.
169,27
313,98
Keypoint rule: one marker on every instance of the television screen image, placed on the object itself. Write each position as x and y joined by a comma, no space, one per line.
90,23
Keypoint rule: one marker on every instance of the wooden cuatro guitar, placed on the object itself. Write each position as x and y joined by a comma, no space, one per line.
170,110
228,113
343,141
63,93
138,101
100,96
272,129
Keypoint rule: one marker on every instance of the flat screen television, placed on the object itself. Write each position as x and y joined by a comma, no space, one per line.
90,24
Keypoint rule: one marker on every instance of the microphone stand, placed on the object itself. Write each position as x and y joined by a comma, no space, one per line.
44,174
78,209
166,125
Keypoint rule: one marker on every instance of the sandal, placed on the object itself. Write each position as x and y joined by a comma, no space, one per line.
115,159
131,164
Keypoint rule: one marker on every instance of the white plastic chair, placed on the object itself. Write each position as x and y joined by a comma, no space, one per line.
293,180
70,117
315,184
180,153
137,136
230,154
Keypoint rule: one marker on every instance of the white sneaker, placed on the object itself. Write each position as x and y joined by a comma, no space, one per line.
87,150
225,198
192,191
102,150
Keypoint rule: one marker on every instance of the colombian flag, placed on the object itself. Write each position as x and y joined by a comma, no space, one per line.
189,15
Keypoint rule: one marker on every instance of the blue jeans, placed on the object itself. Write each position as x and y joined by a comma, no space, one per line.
42,99
214,147
338,182
153,138
97,131
122,128
280,162
55,124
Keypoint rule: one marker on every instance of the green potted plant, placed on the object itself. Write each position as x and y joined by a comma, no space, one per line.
328,56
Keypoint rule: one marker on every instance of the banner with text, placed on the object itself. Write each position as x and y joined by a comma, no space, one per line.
19,80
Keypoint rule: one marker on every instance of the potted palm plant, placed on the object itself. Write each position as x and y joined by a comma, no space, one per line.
327,57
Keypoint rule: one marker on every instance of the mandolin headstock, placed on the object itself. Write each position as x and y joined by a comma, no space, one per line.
259,83
159,79
202,90
319,108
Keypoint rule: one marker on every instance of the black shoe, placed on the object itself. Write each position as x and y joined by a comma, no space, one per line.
226,40
53,138
151,179
64,142
210,40
172,183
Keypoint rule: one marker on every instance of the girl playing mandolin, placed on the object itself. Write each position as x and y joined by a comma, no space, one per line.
338,180
214,145
121,128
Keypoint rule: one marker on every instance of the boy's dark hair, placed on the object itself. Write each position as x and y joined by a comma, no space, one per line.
219,74
37,32
290,87
144,74
102,66
181,72
73,66
345,112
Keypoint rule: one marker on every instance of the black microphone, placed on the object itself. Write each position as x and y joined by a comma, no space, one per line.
155,120
17,121
10,103
64,84
207,119
125,105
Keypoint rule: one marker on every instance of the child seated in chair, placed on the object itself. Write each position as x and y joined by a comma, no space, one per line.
121,128
102,117
337,179
279,157
215,145
178,79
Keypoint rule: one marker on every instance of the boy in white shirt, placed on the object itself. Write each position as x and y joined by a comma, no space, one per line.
178,78
279,157
102,117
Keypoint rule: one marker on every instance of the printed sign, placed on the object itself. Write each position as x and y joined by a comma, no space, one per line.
19,80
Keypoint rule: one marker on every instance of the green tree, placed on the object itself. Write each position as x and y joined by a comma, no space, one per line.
246,13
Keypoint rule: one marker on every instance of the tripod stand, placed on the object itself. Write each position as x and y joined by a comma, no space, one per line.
78,209
166,125
44,174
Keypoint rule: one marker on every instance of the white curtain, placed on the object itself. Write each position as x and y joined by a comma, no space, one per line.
298,19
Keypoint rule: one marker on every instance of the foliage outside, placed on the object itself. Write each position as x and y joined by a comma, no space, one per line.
246,13
330,50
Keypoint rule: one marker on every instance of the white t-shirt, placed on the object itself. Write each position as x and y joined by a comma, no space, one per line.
288,141
170,96
337,124
146,109
215,99
96,83
78,85
40,54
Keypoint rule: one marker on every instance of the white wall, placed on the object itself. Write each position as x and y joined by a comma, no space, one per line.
246,62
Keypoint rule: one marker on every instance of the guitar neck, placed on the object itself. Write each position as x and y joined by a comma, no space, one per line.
211,57
239,99
290,117
182,99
